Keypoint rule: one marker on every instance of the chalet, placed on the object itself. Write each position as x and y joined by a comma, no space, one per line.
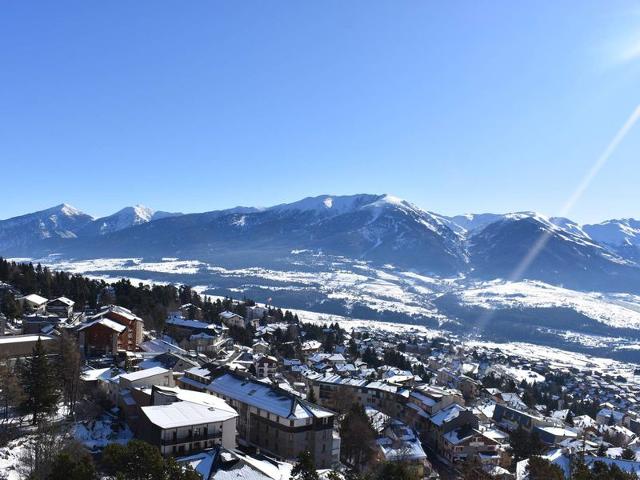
444,422
129,396
195,378
265,365
33,303
104,333
102,336
61,307
460,443
396,442
169,360
231,319
510,418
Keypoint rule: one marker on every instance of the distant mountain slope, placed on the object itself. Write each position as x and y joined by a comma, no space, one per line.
379,228
623,236
125,218
61,221
567,258
472,222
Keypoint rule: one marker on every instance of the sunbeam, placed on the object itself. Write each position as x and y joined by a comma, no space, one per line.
587,179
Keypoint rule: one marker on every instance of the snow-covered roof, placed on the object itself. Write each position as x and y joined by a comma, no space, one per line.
157,345
266,397
105,322
447,414
186,413
184,323
139,375
8,339
34,298
65,300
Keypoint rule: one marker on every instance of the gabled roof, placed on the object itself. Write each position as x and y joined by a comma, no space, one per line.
34,298
68,302
266,397
105,322
448,414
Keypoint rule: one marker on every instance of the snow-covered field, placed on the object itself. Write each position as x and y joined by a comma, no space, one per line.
610,310
314,282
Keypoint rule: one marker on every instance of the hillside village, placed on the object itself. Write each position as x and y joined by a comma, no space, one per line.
200,388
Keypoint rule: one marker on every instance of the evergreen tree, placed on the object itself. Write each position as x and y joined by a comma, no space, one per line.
358,437
304,469
353,348
9,306
66,467
628,454
524,444
312,395
138,460
542,469
38,380
472,469
395,471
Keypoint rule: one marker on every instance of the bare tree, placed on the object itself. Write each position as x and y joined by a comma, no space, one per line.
69,366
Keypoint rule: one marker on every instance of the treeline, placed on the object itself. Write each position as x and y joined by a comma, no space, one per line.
151,302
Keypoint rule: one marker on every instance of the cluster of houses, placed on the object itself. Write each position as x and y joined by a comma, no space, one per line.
222,407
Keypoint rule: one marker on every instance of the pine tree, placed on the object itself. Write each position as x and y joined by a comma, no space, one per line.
542,469
628,454
311,396
66,467
358,437
38,380
304,469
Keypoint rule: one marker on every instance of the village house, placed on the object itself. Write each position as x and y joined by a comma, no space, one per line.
61,307
110,330
265,365
231,319
33,303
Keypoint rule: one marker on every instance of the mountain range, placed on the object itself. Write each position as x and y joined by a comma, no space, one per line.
380,229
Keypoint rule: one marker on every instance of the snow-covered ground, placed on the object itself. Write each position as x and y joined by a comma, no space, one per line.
97,434
316,283
610,310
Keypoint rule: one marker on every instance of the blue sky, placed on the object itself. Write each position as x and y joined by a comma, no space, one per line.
193,106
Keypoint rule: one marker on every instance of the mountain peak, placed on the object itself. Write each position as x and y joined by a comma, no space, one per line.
65,209
323,204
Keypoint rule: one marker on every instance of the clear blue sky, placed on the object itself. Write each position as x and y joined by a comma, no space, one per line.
456,106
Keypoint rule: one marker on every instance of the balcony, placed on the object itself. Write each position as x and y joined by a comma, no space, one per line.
191,438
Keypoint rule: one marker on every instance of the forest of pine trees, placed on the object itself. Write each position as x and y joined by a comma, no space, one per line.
152,303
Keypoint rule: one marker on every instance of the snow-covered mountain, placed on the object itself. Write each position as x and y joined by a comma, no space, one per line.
62,221
125,218
373,257
472,222
380,229
622,236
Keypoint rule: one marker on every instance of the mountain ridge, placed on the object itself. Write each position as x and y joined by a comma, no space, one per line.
378,228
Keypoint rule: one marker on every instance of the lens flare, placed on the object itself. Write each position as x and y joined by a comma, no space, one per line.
541,242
